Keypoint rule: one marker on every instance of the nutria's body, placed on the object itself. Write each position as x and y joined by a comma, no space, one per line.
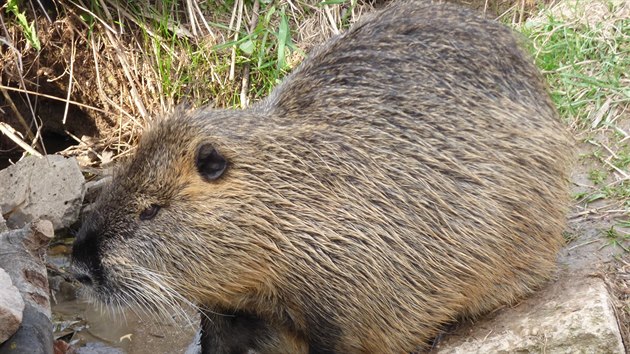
410,172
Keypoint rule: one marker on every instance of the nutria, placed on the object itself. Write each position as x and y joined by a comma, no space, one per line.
412,171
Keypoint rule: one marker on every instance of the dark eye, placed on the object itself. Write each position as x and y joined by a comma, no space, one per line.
210,163
150,212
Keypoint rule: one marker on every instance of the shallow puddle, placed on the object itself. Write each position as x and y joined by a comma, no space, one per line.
96,330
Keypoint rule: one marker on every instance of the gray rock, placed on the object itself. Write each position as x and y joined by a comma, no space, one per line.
3,223
50,188
573,315
11,307
22,255
195,346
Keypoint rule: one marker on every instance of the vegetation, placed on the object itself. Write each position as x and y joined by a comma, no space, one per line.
139,59
583,50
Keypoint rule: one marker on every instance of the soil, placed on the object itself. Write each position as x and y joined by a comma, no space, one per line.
97,98
590,252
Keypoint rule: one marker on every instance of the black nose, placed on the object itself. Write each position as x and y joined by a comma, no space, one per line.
82,277
86,264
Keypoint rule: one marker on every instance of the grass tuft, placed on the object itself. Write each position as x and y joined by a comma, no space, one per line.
28,29
587,66
583,49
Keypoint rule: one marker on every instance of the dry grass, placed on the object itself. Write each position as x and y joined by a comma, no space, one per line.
105,69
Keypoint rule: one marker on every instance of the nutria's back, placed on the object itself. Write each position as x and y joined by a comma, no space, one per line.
411,171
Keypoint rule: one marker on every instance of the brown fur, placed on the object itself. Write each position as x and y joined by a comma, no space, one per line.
410,172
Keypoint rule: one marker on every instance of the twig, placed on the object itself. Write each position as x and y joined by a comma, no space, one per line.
622,173
203,20
125,66
245,81
230,28
192,17
101,21
43,10
81,142
600,113
11,134
20,68
240,4
51,97
612,153
100,86
582,213
70,80
622,132
38,137
522,12
331,19
598,211
592,211
582,244
505,12
19,116
620,180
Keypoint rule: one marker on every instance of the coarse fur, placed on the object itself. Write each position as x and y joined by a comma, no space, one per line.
410,172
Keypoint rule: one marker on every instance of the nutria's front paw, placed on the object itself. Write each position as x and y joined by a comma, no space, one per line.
242,333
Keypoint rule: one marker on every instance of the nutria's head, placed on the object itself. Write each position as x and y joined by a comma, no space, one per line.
164,230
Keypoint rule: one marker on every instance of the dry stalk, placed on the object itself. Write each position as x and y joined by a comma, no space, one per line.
51,97
99,84
19,116
81,142
191,16
521,12
623,174
238,8
203,20
20,68
70,80
12,135
101,21
498,18
126,69
107,13
331,20
245,81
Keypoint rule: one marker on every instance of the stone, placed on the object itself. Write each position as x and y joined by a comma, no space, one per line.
50,188
11,307
573,315
3,223
195,346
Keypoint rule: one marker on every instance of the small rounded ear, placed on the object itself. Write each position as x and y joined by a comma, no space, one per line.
210,164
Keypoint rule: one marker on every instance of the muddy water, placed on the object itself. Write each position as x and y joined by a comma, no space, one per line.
86,325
